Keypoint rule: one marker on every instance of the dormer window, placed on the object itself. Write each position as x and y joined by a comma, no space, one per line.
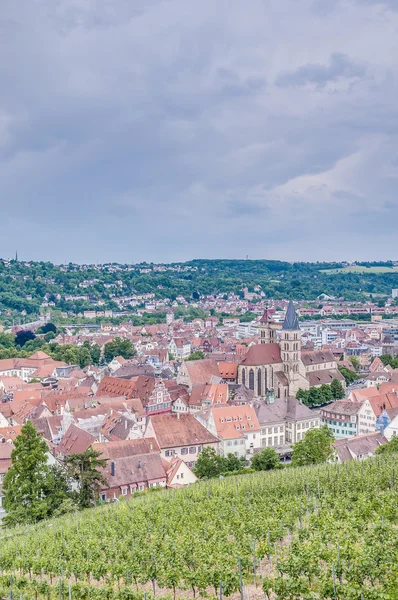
248,418
237,427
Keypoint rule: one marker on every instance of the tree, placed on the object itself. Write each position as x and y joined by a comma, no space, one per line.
232,463
337,389
48,327
84,469
23,336
265,460
349,376
390,448
119,347
209,463
197,355
25,483
355,362
57,489
315,448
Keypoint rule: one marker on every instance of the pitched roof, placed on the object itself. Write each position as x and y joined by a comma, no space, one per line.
281,409
202,371
361,445
343,407
291,322
121,449
262,354
228,370
75,441
141,468
324,376
234,421
315,357
115,386
173,430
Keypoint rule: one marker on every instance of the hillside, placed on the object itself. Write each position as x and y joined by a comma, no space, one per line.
25,285
322,532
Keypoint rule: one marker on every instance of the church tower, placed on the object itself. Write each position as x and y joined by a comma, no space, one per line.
267,328
291,349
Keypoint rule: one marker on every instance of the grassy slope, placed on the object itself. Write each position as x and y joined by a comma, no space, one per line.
314,522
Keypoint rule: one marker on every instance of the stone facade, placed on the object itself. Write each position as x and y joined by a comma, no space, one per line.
278,369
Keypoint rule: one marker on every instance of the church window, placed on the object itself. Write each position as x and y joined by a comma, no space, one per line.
244,376
259,382
265,379
251,379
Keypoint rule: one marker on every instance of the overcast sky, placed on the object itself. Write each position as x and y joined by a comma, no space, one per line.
171,129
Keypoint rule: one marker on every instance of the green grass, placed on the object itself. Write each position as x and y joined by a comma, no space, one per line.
359,269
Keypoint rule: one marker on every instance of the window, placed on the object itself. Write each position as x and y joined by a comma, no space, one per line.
251,379
281,440
281,428
103,497
182,476
229,443
184,450
124,491
192,450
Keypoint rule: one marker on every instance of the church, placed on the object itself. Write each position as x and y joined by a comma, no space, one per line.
279,367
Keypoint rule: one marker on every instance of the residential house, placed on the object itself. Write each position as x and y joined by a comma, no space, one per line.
341,417
284,422
178,473
180,435
359,447
372,408
236,427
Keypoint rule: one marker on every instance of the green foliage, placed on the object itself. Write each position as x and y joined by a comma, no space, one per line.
33,491
47,328
23,336
210,464
390,448
196,355
317,396
349,376
387,359
337,389
355,362
266,460
118,347
315,448
85,468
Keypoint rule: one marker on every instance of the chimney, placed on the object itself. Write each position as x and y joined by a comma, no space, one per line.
112,468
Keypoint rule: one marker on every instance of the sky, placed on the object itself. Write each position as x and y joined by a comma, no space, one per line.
167,130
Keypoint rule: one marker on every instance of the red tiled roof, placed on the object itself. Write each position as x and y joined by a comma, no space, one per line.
262,354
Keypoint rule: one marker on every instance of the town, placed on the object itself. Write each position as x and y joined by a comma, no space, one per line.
150,399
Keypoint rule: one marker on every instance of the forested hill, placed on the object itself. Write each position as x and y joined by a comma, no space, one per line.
24,285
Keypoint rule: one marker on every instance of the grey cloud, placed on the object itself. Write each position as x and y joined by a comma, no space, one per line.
340,66
138,130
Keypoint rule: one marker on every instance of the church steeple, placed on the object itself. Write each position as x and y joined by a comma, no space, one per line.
291,322
291,348
267,328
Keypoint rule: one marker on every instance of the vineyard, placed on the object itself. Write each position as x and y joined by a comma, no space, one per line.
309,533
